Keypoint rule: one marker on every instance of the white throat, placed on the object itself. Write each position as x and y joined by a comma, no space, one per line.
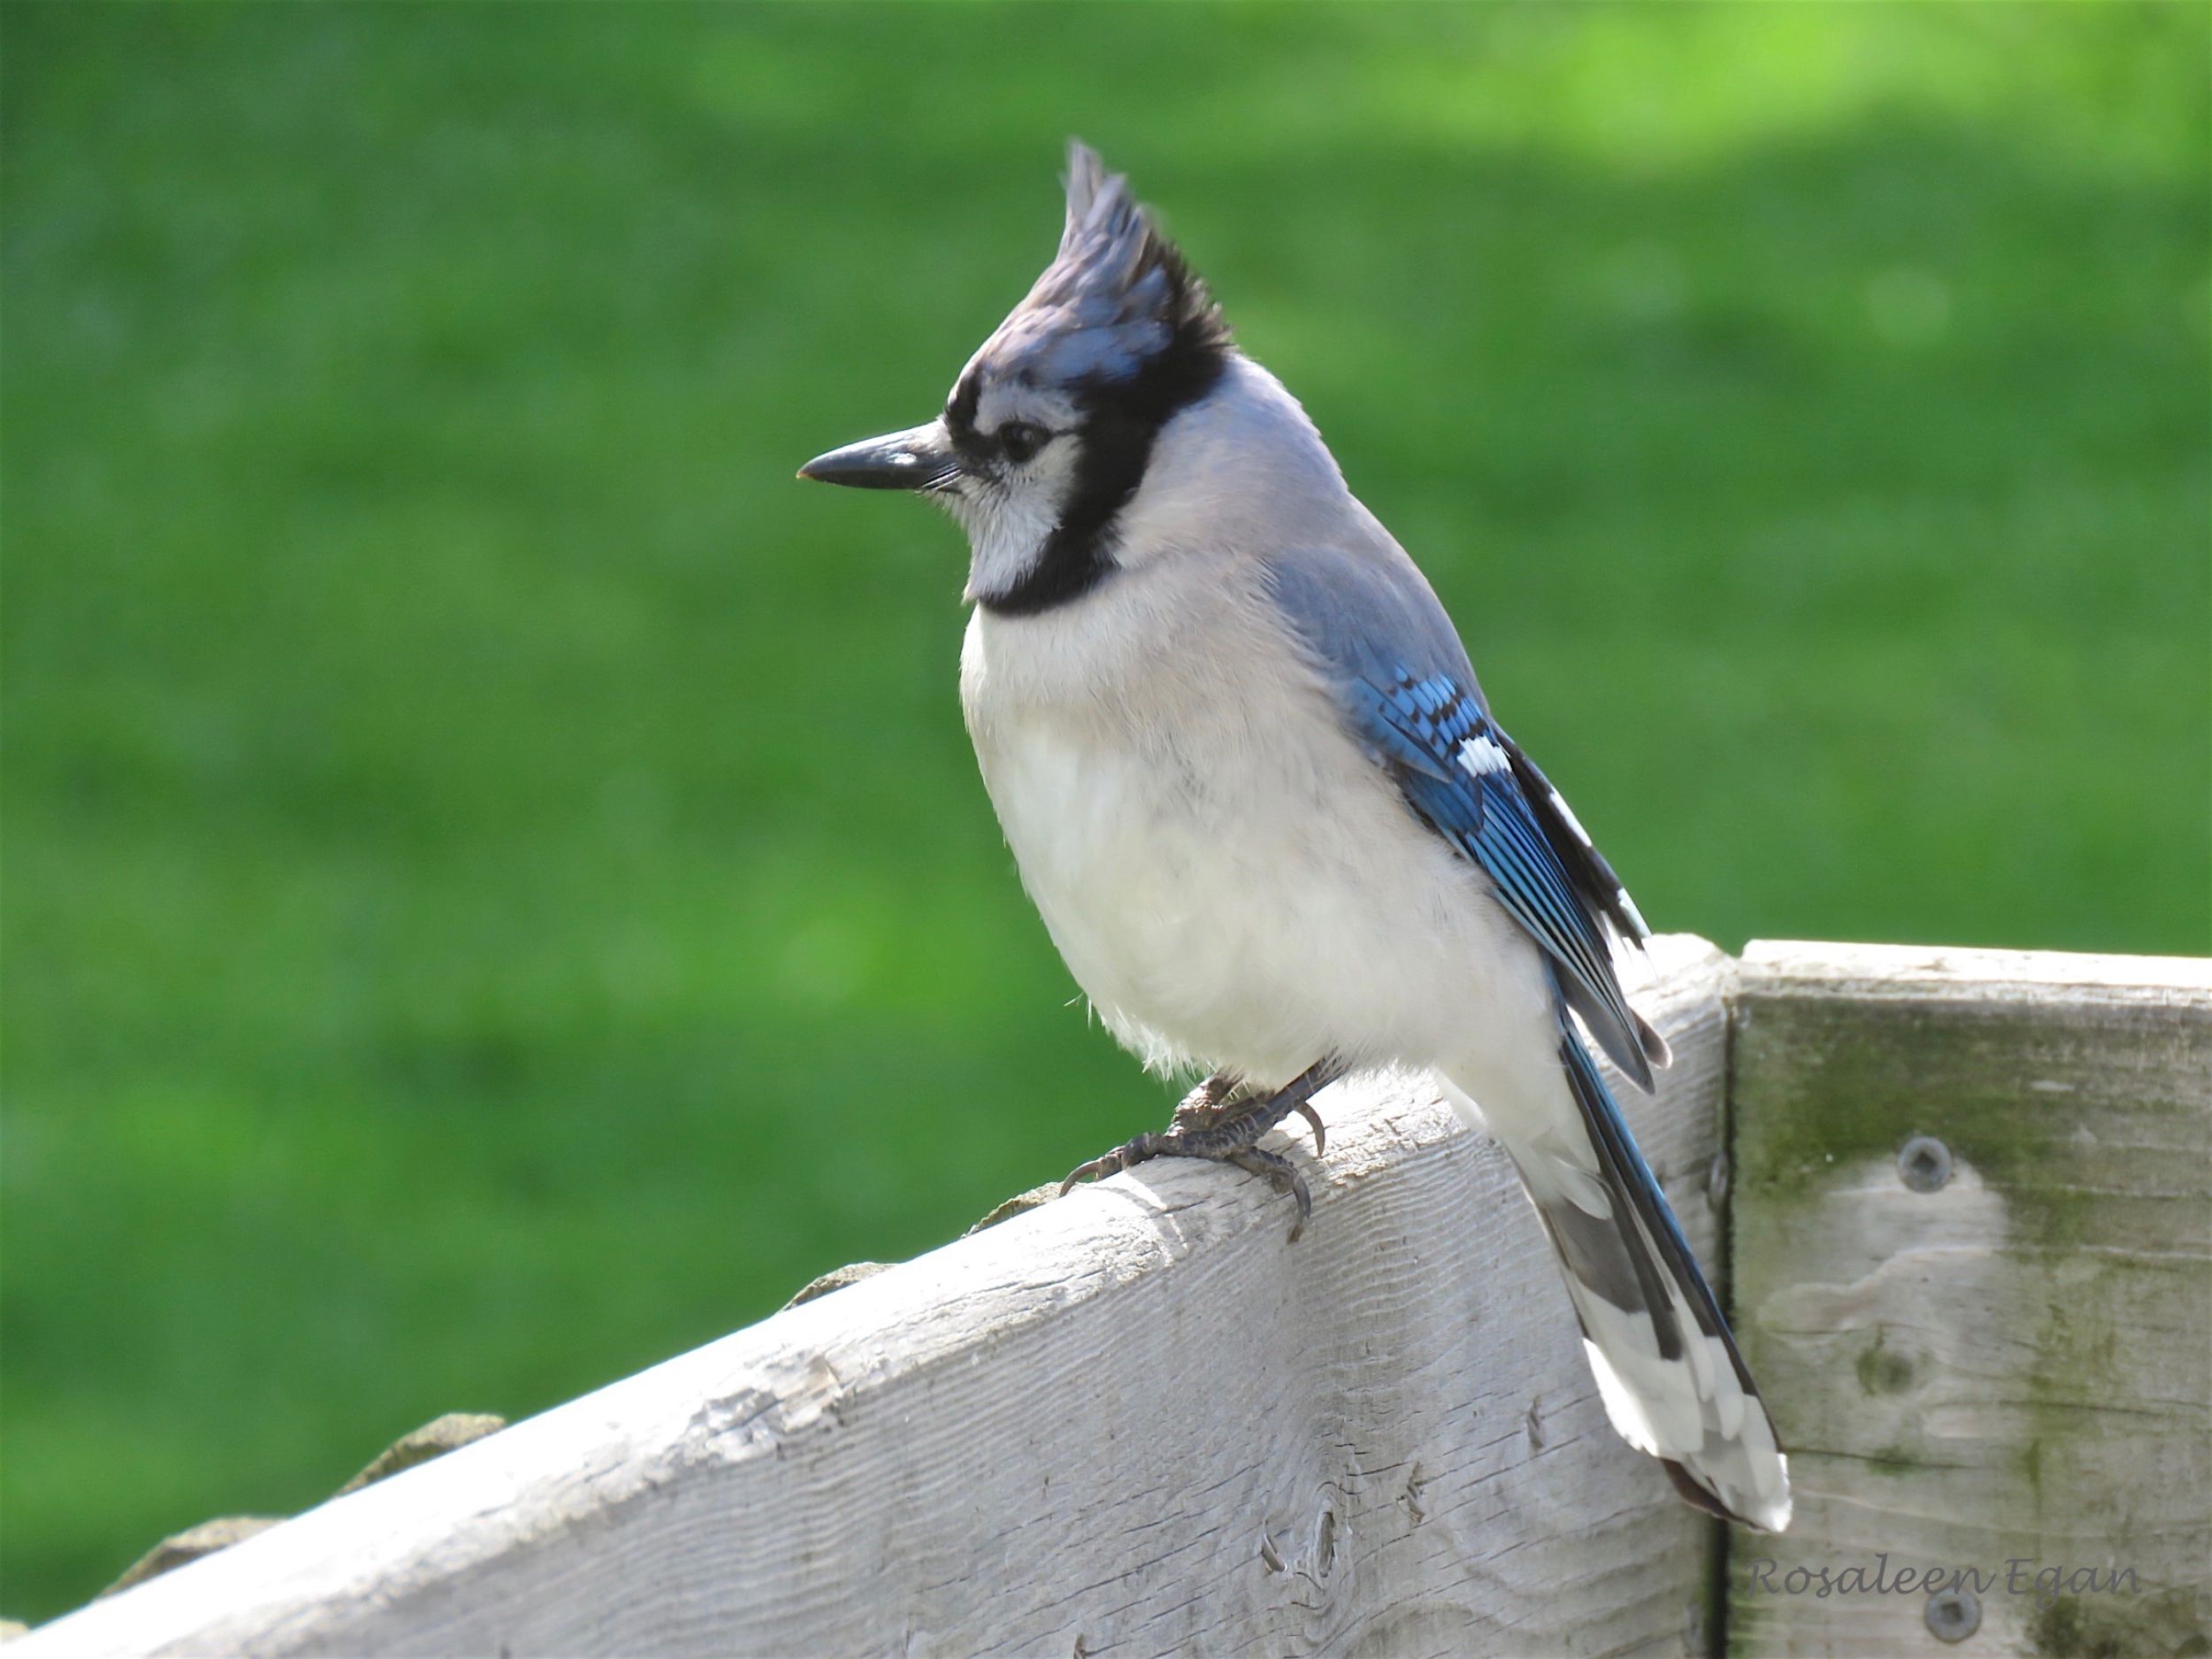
1006,533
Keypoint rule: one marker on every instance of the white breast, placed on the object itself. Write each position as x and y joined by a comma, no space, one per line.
1232,881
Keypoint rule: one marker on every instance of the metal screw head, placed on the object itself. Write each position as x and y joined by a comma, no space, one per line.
1924,1163
1953,1615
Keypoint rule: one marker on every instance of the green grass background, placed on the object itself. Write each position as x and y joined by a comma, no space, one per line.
496,890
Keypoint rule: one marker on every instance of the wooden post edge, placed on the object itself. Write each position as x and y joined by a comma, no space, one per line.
1972,1261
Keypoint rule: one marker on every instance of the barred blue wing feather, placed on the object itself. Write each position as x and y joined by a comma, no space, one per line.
1471,783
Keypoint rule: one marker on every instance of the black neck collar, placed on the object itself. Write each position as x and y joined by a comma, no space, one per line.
1122,421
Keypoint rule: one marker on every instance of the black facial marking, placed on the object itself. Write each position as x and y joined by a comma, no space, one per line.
960,412
1121,418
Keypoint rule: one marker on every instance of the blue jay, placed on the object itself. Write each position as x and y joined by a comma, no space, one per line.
1257,796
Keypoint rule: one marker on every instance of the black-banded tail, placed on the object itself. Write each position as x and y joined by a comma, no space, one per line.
1666,1366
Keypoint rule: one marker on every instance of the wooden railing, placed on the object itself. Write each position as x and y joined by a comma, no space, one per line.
1971,1226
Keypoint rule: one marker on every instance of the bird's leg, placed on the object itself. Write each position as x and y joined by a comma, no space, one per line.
1211,1124
1203,1106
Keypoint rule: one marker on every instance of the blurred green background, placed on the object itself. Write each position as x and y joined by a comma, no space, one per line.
497,889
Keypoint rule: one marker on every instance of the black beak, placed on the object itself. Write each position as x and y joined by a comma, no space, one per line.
913,459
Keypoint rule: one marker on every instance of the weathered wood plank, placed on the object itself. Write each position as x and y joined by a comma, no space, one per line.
2014,1366
1132,1422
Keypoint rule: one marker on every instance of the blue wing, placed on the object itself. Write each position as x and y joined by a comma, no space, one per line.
1405,690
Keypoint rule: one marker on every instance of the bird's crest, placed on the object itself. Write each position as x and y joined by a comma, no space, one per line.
1117,307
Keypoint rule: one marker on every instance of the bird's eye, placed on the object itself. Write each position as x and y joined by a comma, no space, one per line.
1021,440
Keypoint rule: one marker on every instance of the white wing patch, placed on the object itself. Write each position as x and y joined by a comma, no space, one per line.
1559,803
1481,756
1643,927
1620,894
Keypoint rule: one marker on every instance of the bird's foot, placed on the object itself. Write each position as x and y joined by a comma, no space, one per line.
1177,1143
1205,1106
1210,1123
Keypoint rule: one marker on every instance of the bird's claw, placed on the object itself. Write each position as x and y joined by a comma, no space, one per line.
1144,1149
1277,1170
1283,1174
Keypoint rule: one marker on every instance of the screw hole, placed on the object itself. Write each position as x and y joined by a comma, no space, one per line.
1924,1164
1953,1615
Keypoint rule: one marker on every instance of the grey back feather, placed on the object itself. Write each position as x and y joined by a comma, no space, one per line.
1369,613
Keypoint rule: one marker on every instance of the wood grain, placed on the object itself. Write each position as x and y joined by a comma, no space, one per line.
2016,1366
1132,1422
